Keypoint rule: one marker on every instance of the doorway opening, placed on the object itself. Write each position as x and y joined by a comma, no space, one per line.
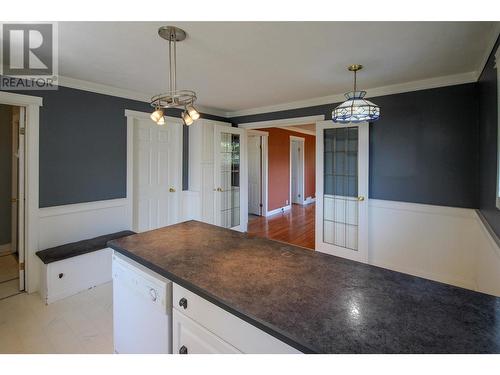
281,178
255,158
11,200
297,169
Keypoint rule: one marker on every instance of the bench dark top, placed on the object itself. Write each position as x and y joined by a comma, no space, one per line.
73,249
316,302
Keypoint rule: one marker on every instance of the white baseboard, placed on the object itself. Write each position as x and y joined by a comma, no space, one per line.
279,210
309,200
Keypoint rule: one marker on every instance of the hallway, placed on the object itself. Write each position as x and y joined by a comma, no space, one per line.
295,226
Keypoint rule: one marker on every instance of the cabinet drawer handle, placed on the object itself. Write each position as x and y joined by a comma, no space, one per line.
183,350
183,303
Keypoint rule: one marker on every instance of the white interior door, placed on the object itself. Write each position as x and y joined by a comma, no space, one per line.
254,175
21,194
297,169
230,178
157,174
342,185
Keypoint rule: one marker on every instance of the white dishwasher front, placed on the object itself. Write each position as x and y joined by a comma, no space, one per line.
142,309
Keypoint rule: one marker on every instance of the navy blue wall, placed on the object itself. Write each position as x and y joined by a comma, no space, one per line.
83,145
424,149
488,126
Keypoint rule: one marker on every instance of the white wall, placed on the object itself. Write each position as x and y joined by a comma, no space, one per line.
63,224
444,244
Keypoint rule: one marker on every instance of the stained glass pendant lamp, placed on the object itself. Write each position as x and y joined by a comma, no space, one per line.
356,108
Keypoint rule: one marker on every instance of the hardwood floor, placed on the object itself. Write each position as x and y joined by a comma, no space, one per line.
295,226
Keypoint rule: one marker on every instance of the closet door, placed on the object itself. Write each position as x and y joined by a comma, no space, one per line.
157,174
230,178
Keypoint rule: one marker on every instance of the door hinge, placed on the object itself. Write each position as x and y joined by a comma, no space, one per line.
21,266
22,131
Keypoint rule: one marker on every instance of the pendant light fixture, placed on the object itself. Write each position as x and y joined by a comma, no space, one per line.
174,98
356,108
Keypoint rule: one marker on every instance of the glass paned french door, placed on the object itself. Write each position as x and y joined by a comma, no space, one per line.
230,180
340,204
342,184
230,185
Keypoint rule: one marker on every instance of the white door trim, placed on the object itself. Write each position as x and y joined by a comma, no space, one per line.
363,165
131,116
303,141
282,122
32,106
264,172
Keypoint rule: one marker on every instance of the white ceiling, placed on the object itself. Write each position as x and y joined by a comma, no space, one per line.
241,65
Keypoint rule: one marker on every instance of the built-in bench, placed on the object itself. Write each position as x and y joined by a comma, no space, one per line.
77,266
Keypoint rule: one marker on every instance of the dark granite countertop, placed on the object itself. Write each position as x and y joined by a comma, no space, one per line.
317,302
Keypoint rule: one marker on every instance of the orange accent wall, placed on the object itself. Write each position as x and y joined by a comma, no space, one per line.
279,166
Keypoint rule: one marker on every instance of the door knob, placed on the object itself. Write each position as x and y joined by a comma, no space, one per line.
183,303
153,294
171,190
361,198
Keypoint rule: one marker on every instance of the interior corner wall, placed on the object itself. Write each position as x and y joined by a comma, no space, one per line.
488,141
279,166
5,173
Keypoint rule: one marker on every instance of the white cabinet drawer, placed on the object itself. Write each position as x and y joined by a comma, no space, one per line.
191,338
231,329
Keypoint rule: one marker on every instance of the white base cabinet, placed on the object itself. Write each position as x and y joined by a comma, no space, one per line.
201,327
192,338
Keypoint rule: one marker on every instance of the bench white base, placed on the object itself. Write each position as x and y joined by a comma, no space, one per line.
79,273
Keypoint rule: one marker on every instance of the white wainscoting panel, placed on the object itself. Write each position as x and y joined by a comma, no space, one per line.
63,224
487,261
444,244
191,205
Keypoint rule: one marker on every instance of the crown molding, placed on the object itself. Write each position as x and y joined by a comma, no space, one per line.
489,50
122,93
455,79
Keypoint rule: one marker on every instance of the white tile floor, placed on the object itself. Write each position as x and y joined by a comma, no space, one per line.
82,323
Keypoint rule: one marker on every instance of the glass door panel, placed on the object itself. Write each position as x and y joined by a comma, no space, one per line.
229,188
340,199
230,178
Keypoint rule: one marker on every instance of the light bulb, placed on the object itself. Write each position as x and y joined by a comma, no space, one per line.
188,120
157,115
161,121
193,113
